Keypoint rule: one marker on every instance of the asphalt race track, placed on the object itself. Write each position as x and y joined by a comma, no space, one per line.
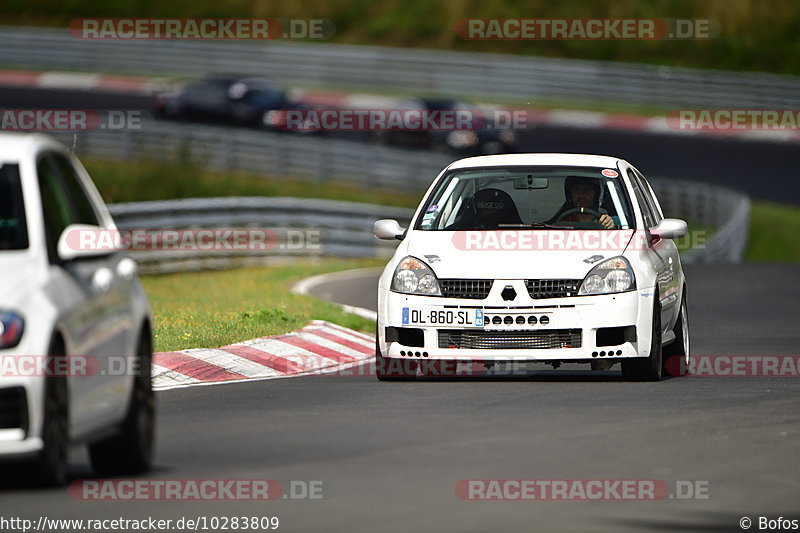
765,170
390,454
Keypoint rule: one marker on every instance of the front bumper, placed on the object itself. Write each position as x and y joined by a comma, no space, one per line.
21,400
569,335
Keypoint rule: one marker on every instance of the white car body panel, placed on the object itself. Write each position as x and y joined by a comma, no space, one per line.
60,299
657,269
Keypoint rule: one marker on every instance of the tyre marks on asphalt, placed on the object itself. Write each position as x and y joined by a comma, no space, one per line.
317,348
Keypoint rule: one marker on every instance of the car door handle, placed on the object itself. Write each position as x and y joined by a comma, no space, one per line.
102,278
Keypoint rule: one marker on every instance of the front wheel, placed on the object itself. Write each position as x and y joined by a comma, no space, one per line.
676,354
50,465
649,369
131,450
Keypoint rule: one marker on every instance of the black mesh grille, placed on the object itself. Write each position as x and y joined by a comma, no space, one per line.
477,289
13,408
509,340
552,288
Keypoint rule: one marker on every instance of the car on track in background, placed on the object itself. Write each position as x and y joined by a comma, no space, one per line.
524,258
75,324
485,138
245,101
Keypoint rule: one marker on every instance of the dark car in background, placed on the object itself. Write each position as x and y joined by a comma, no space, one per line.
485,138
247,101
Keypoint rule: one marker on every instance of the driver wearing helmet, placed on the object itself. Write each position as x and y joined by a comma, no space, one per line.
584,192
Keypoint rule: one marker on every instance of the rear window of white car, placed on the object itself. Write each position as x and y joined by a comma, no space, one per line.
13,229
526,198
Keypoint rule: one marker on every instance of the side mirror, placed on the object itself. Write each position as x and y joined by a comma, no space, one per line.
670,228
387,229
83,240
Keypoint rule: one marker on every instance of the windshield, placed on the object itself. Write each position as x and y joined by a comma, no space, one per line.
527,197
13,230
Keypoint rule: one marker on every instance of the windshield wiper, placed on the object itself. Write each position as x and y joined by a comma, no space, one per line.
534,225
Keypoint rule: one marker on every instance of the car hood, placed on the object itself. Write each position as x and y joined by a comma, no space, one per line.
553,254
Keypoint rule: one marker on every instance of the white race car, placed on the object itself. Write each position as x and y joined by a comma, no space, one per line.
57,299
555,258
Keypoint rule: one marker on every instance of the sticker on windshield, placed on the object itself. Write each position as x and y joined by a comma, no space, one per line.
433,208
609,173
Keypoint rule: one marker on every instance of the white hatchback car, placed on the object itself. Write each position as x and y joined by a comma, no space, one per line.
57,299
554,258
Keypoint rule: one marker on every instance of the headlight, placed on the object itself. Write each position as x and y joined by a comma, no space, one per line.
507,137
610,276
274,118
11,326
462,139
412,276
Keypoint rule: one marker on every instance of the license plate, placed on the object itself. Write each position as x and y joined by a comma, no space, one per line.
466,318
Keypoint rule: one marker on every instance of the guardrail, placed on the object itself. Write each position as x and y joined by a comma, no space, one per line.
312,157
338,228
477,75
344,229
323,65
723,212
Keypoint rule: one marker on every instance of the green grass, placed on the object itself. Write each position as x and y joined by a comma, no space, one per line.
756,35
141,181
212,309
774,233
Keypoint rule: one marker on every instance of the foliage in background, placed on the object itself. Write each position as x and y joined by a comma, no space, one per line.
774,233
140,181
757,35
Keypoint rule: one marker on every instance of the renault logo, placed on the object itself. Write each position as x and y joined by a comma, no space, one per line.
508,293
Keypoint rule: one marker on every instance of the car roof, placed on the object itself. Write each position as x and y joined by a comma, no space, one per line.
534,159
16,145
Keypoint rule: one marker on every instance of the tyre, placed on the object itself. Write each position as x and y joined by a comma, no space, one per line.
649,369
50,465
131,450
677,353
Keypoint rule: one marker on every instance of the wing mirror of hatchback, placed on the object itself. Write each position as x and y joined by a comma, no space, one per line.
85,240
669,228
388,229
